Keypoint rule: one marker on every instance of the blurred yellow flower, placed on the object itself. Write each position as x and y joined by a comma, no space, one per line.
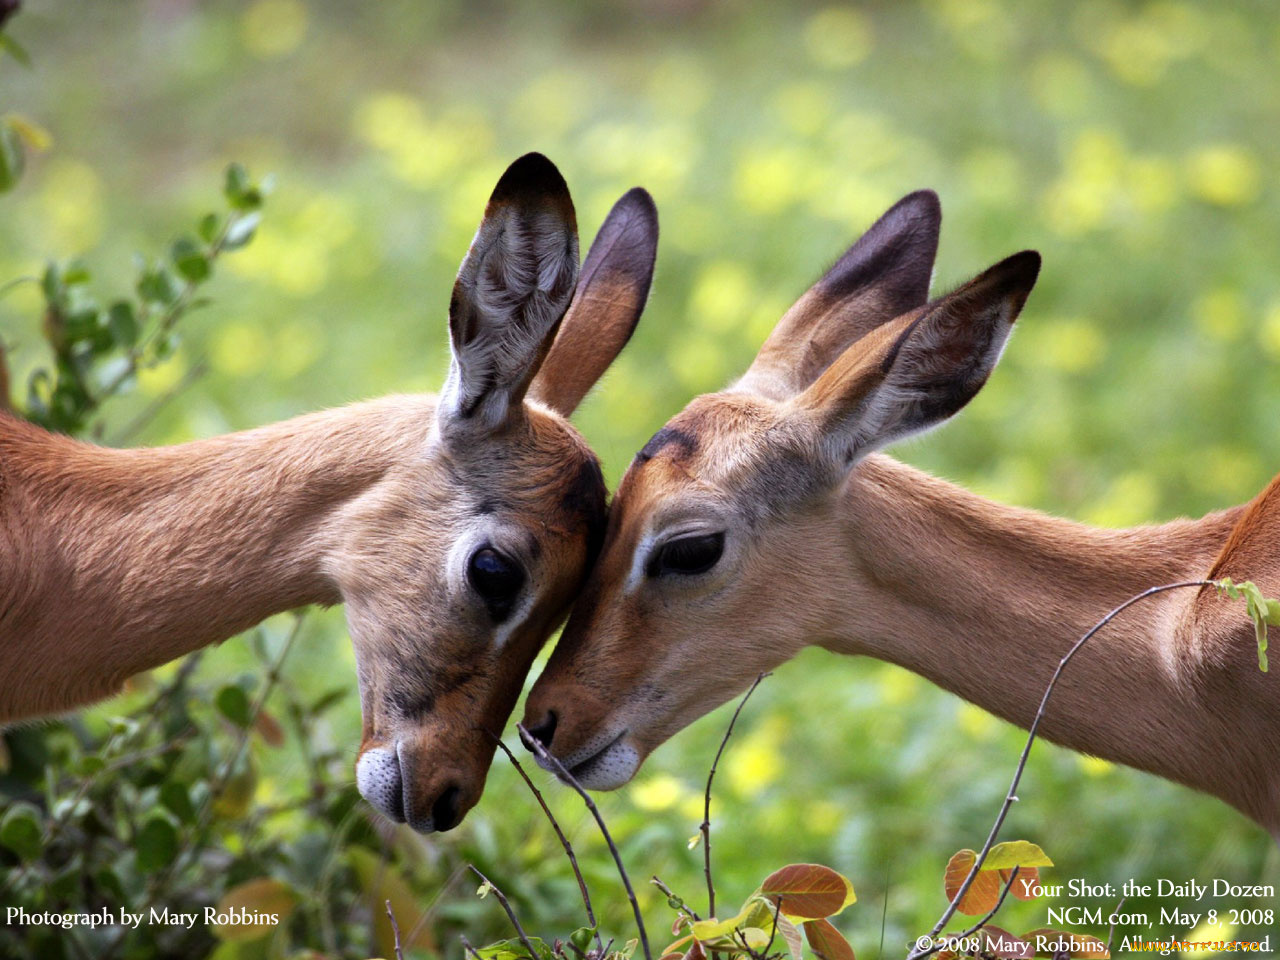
756,760
1226,470
838,37
1269,329
804,107
1072,345
1094,766
659,792
273,28
679,85
239,349
1132,498
1209,933
1225,174
897,686
1063,85
70,206
551,103
722,295
1220,313
975,722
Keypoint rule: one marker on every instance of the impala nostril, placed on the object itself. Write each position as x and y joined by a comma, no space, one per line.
544,731
445,811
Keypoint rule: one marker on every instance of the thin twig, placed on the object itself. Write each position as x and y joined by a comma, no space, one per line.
777,909
985,920
1112,933
541,752
395,930
564,841
511,914
684,907
466,945
706,809
1012,796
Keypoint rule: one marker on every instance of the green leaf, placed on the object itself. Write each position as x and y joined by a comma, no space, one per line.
1262,610
122,321
582,937
158,285
20,830
235,183
13,159
209,226
189,260
14,49
233,703
1015,853
156,844
175,797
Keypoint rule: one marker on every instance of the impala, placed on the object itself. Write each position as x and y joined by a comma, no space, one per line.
455,529
760,520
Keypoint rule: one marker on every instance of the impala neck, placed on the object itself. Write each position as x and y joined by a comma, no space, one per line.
985,599
115,561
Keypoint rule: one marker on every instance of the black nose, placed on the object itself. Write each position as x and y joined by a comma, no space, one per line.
544,731
444,812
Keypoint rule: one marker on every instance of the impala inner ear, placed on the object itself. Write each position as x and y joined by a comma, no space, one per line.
883,275
611,295
512,290
922,368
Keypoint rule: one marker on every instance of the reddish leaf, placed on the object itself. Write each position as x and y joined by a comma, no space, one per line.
983,892
808,891
1082,944
827,942
1027,885
1001,943
269,728
696,952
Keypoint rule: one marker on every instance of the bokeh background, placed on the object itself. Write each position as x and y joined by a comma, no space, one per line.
1134,144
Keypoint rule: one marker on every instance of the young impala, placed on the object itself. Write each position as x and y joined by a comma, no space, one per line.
760,520
455,529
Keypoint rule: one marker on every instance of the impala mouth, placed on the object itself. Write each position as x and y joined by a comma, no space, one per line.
609,767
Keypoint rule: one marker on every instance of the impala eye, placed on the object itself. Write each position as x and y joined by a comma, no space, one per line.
497,578
688,555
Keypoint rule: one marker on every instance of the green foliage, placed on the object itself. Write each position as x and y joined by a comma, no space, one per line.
1263,610
98,350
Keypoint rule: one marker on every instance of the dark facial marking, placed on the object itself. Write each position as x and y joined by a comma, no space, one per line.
585,497
667,436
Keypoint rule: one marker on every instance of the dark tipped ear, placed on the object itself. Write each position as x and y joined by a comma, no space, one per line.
512,290
920,369
882,276
611,296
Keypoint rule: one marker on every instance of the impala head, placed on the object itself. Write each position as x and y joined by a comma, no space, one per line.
461,562
715,533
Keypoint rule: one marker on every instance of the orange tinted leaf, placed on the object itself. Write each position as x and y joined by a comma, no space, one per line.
1027,885
808,891
827,942
1082,945
983,892
269,728
696,952
1001,943
678,946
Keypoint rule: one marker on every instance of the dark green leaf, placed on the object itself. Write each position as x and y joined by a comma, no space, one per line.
189,260
13,158
156,844
21,831
122,321
174,795
233,703
14,49
209,226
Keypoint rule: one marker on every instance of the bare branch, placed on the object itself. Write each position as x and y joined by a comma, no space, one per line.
511,914
466,945
1111,935
395,930
1012,796
706,809
541,752
564,841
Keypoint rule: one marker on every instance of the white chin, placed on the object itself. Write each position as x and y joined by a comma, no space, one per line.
610,768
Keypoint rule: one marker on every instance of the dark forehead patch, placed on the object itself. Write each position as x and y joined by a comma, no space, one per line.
586,497
668,436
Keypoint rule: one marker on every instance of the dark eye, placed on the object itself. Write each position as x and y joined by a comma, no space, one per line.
497,579
688,555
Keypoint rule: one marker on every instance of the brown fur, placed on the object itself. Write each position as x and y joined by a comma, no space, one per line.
116,561
826,545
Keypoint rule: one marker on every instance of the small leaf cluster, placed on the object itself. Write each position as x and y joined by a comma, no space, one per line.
161,809
1013,868
99,348
1263,611
798,897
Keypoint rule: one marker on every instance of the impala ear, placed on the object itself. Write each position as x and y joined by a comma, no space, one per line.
512,290
920,369
611,295
882,276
